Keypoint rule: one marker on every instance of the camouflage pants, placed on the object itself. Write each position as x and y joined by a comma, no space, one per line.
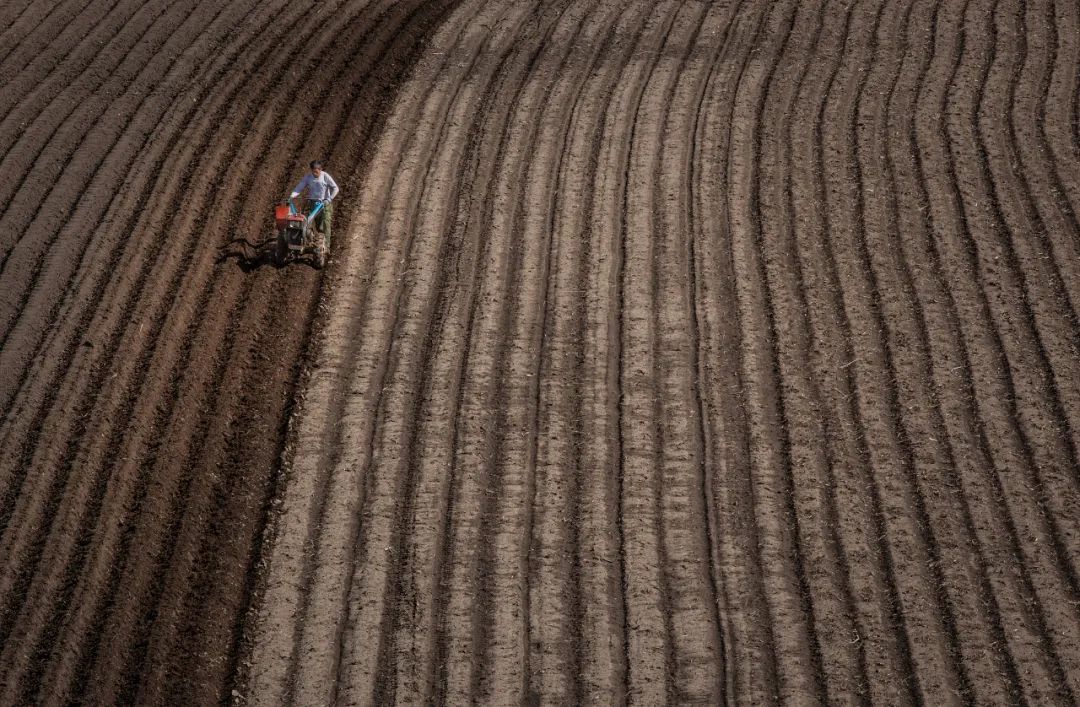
322,219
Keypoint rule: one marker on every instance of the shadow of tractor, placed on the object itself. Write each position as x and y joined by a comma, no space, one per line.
249,256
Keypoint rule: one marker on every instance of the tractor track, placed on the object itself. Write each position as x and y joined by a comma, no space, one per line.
680,351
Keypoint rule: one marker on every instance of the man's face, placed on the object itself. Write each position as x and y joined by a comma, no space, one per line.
316,171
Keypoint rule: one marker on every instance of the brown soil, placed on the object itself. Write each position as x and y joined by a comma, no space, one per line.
671,352
150,352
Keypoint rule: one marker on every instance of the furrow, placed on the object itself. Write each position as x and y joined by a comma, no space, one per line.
957,570
423,548
1047,237
951,224
694,624
927,619
506,640
24,36
877,636
648,628
323,622
789,602
689,600
991,263
605,653
463,637
58,446
250,300
1020,264
564,662
368,666
42,264
1061,91
387,60
279,622
743,604
991,519
806,455
206,293
57,115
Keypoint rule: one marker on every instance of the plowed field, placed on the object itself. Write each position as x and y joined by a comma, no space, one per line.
671,351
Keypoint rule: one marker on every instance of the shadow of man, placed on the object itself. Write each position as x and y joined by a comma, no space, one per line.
249,256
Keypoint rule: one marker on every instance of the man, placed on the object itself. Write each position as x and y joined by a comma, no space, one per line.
320,186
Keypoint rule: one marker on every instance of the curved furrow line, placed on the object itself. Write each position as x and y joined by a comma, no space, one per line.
1032,275
482,382
27,69
698,302
878,634
990,520
1058,101
108,151
1038,391
789,601
54,449
1050,260
372,675
144,573
719,674
367,609
236,293
603,148
43,270
354,146
927,619
949,219
562,666
997,274
88,296
505,639
809,476
323,623
18,37
697,646
696,650
11,13
95,385
451,622
1045,267
54,113
109,246
422,551
148,304
959,573
749,642
534,64
308,475
649,650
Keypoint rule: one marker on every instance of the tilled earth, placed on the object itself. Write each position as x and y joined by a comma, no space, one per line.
670,352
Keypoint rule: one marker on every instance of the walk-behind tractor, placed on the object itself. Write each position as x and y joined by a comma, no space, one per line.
296,234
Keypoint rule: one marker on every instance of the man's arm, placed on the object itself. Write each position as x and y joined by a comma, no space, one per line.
299,188
333,187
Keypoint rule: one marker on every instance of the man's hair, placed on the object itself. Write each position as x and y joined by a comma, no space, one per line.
315,163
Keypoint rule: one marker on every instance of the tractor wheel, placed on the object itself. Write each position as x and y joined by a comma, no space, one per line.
281,248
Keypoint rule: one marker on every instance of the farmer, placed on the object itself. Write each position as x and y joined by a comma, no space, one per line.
320,186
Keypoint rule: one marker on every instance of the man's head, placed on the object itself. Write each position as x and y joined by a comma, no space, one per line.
316,167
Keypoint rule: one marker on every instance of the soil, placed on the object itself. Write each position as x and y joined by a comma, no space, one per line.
669,352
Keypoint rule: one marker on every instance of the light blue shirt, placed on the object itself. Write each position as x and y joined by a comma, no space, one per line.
318,188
